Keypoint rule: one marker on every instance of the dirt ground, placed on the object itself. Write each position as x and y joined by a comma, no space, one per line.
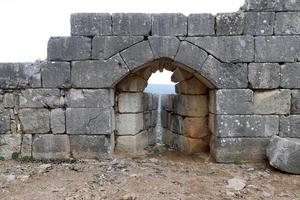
168,175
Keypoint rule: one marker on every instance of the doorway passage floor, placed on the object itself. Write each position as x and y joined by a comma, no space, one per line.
156,175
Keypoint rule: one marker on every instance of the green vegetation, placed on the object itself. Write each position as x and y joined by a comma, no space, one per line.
1,158
27,158
237,162
15,155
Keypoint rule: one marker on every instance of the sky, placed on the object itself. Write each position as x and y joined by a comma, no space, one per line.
26,25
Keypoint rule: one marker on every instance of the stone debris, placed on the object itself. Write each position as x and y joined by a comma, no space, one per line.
236,184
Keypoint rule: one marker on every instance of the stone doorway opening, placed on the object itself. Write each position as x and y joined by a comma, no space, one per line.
184,116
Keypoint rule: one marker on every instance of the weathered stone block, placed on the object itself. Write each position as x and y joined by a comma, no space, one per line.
164,46
287,23
251,126
51,147
148,101
131,23
228,150
191,55
284,154
4,122
191,86
167,102
276,48
129,124
137,55
191,145
155,101
154,116
201,24
89,146
26,147
227,101
191,105
290,73
90,24
180,75
104,47
35,120
264,75
130,102
259,23
164,119
147,120
58,121
295,102
132,83
98,74
170,139
232,49
56,75
144,73
169,24
9,143
230,23
133,143
264,5
69,48
40,98
290,126
9,100
272,102
90,98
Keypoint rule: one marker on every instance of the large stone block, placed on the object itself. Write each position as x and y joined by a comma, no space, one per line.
227,101
98,74
265,5
147,120
129,124
259,23
58,121
90,24
164,46
132,143
230,23
35,120
20,75
9,100
69,48
251,126
201,24
229,150
94,121
104,47
131,23
4,122
192,145
284,154
56,75
169,24
290,73
191,86
26,147
290,126
40,98
9,143
232,49
130,102
132,83
90,98
154,115
191,105
180,75
148,101
276,48
272,102
287,23
295,102
51,147
89,146
191,55
167,102
264,75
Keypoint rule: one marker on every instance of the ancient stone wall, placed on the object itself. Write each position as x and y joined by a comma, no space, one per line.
65,107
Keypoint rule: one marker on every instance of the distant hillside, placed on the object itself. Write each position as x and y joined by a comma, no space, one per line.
160,89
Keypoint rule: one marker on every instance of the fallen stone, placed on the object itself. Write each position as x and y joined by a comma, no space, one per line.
43,168
236,184
10,177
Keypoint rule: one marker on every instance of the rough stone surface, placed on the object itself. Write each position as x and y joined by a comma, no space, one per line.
4,122
129,124
251,126
132,143
230,23
164,46
232,49
9,144
264,75
56,75
259,23
9,100
295,102
132,83
90,24
98,74
290,73
89,146
191,105
90,98
201,24
276,48
169,24
131,24
290,126
58,121
272,102
51,147
266,5
284,154
130,102
26,147
104,47
35,120
69,48
287,23
191,86
180,75
94,121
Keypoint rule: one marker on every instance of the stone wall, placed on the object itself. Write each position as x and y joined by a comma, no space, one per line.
65,107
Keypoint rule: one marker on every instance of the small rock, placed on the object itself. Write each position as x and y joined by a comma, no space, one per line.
154,160
11,177
23,177
45,168
266,194
236,184
129,196
231,194
250,169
